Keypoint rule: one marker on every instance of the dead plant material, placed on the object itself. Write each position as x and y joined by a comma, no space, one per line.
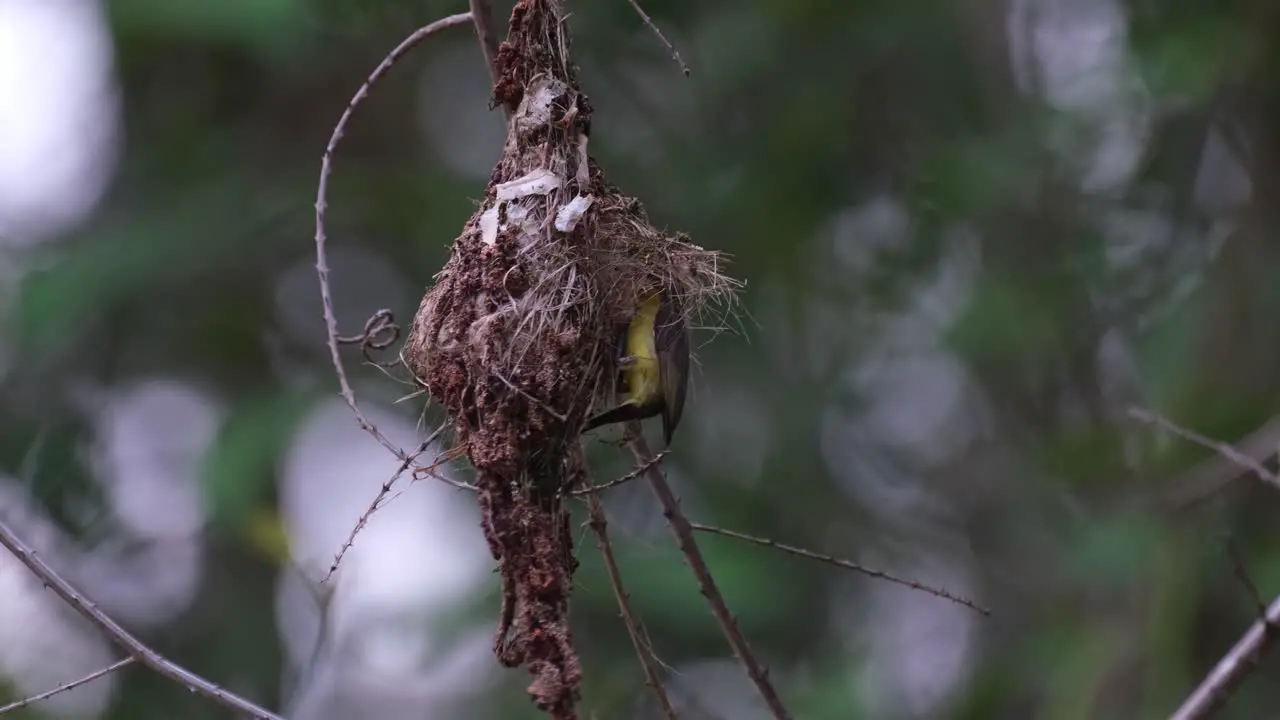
516,336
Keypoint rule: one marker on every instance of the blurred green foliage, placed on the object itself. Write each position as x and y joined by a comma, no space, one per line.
795,111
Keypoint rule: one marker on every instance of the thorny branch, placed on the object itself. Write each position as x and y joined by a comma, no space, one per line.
70,685
384,493
840,562
641,469
322,260
635,628
130,644
675,54
693,556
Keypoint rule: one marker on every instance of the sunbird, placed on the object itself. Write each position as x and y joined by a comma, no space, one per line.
653,367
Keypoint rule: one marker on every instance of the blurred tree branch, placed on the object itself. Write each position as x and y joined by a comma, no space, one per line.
135,647
1234,667
69,686
841,562
635,627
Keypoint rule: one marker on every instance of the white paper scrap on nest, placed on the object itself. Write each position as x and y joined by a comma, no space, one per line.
536,182
489,226
569,215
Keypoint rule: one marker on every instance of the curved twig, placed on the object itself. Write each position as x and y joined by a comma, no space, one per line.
322,260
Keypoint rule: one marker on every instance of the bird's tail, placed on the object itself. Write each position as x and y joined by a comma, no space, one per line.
622,413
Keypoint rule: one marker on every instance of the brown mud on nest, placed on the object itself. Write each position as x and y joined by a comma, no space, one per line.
516,336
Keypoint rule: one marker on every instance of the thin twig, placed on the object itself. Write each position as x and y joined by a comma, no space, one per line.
130,644
1232,668
635,629
69,686
1216,472
1225,450
482,18
380,333
1242,574
641,469
693,556
840,562
322,261
675,54
380,499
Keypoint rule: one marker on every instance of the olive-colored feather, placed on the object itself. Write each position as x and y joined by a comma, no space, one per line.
657,342
672,340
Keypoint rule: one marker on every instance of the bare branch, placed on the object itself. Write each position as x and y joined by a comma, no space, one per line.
693,556
675,54
635,629
1242,574
640,470
322,261
69,686
1226,450
482,18
1203,480
136,649
840,562
1233,667
381,498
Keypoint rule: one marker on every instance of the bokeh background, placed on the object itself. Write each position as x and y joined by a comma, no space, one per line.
973,232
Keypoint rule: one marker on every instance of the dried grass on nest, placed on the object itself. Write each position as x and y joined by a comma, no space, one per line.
536,308
516,338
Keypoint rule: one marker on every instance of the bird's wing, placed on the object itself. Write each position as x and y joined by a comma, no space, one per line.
671,339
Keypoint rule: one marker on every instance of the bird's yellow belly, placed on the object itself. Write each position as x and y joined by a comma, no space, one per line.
643,379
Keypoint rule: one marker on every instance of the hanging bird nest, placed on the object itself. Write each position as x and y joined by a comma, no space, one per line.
516,337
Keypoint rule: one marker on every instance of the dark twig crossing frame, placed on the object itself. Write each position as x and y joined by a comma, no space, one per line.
635,628
683,531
